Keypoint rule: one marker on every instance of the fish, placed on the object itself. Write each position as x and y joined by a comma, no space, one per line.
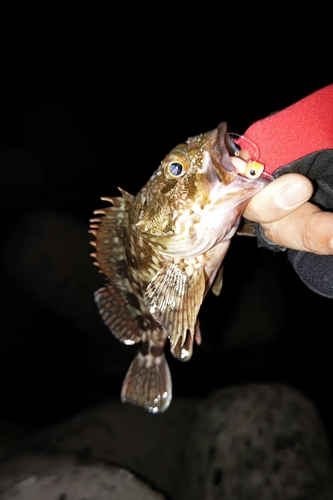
162,250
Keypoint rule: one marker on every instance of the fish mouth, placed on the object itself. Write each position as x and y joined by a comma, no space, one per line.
220,156
229,160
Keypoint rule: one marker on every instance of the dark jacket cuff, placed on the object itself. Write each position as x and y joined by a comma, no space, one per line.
316,271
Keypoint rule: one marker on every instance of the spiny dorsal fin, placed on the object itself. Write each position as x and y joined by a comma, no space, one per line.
174,299
117,303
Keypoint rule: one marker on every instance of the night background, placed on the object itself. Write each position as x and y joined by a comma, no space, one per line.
93,98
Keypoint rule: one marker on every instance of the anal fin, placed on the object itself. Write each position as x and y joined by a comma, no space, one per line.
217,285
148,382
246,228
183,351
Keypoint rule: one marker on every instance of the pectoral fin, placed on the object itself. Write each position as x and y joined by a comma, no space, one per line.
174,299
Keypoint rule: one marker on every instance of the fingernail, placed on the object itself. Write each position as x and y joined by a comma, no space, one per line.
292,195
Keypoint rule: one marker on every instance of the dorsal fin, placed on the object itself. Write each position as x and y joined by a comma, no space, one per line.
116,302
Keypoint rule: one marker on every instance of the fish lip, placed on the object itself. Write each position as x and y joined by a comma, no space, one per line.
232,147
223,141
225,170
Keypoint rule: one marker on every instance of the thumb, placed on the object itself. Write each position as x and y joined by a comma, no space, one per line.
279,198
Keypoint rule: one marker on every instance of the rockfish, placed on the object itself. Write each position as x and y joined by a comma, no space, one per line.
161,252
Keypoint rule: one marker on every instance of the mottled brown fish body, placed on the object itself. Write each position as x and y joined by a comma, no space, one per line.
160,252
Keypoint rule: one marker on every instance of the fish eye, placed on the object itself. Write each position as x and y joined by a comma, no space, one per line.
175,166
175,169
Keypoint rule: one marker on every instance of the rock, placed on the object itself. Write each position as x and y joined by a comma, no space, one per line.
258,442
152,446
32,477
255,441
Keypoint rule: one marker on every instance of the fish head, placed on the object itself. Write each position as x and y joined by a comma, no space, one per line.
195,199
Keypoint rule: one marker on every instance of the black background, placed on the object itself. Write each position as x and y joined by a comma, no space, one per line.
96,96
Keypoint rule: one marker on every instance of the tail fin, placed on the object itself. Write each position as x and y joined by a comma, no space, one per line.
148,383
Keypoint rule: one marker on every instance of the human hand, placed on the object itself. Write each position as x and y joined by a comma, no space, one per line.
288,219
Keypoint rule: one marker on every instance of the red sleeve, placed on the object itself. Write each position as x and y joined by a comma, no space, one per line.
303,128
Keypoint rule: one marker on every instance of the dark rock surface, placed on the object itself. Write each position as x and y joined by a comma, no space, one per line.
152,446
257,442
34,477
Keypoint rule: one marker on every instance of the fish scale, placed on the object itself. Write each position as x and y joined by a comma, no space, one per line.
160,252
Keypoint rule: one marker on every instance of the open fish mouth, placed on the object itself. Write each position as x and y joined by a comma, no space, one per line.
225,171
233,159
